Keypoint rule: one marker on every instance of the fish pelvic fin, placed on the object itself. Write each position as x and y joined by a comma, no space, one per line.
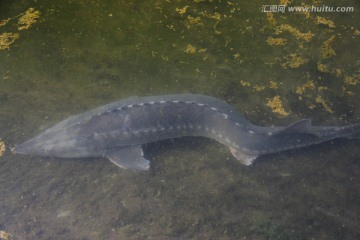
244,158
130,157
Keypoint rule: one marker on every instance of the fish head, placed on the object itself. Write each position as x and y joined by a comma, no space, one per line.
54,142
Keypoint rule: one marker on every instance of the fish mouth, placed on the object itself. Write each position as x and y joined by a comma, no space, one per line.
13,150
18,150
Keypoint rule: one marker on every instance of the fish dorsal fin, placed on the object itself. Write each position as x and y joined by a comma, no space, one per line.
130,157
302,126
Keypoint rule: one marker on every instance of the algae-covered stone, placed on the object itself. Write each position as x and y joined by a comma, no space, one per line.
4,235
6,39
276,105
28,18
2,148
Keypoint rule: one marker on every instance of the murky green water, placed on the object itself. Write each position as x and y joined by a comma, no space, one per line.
65,57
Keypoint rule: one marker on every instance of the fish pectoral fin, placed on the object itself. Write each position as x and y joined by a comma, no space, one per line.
246,159
130,157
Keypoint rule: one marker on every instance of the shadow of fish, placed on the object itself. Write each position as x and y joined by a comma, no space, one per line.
117,130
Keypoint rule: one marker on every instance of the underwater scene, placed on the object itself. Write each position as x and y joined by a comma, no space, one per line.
276,62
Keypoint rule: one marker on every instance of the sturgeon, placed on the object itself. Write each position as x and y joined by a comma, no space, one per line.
117,130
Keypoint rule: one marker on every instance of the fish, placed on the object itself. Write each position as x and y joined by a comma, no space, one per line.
118,130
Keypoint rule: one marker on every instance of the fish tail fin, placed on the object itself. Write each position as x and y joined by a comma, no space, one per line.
349,132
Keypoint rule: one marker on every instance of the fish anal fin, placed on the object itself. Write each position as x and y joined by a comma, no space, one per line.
130,157
246,159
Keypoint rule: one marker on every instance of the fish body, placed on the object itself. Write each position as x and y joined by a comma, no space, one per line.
117,130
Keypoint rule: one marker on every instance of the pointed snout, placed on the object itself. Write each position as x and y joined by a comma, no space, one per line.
28,147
